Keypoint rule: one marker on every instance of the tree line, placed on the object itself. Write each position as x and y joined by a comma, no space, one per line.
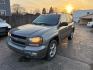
18,9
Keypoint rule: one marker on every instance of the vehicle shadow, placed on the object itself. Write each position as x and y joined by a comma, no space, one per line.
66,48
13,62
66,44
2,37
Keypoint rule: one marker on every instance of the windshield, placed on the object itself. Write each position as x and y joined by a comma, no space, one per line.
48,20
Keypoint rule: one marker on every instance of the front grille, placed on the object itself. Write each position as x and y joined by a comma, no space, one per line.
3,29
19,40
17,36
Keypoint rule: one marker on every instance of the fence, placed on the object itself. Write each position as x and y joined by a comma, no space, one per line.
18,20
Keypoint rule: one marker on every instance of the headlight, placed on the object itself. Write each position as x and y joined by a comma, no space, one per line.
9,34
36,40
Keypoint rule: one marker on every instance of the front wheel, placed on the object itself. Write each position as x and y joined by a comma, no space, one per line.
51,50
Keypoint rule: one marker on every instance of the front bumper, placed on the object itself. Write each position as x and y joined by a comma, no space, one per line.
5,32
31,51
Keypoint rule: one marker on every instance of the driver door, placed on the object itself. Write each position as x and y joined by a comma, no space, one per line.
63,29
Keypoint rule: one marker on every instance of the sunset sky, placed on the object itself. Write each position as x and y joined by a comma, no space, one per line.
60,4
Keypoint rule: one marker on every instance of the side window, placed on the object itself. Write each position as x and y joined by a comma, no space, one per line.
69,18
2,12
63,18
2,1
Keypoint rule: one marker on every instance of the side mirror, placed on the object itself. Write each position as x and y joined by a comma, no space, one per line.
63,24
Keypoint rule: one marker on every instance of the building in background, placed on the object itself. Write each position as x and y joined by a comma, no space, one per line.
86,19
5,8
80,13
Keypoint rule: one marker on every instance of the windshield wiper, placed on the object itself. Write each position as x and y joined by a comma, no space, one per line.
40,24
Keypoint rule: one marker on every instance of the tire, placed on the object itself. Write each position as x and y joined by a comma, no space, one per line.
52,49
71,36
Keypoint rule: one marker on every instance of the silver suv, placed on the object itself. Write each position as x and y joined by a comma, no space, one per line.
40,39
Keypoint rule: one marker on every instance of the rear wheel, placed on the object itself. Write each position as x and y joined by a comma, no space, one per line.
51,50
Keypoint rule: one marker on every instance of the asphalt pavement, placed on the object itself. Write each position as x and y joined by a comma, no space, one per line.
72,55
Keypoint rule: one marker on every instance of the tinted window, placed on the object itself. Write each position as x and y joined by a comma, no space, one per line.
48,20
2,1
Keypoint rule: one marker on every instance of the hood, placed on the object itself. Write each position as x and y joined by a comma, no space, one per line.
2,24
30,30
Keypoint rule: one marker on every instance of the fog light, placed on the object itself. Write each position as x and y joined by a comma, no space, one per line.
34,54
9,34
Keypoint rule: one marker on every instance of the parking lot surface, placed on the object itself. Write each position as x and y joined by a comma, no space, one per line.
72,55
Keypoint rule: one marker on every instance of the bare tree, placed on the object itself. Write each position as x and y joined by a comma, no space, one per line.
56,10
17,9
44,11
37,11
51,10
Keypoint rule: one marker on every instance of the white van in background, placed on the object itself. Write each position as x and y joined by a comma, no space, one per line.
90,24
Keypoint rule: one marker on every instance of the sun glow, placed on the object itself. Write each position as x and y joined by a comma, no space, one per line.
69,8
